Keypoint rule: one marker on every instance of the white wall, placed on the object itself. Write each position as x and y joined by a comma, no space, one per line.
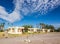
15,30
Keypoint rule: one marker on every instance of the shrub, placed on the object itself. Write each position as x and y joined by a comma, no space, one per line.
1,30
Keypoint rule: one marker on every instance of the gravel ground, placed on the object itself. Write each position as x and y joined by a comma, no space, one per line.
49,38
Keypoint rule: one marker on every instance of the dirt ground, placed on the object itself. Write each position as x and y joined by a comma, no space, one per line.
48,38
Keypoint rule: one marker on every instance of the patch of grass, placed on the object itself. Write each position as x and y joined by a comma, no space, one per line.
14,35
1,34
18,35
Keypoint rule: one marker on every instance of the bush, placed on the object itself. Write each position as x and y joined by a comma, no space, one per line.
57,30
1,30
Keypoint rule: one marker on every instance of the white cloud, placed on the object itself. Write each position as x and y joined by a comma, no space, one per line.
12,17
9,17
43,6
46,5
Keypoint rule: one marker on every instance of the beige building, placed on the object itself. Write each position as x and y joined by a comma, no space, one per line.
31,30
15,30
45,30
20,30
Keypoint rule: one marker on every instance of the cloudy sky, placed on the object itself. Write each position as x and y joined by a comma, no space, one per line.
32,12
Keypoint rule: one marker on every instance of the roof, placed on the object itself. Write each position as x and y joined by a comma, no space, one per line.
15,27
33,28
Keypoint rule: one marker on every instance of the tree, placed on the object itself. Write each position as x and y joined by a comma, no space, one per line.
50,27
26,27
42,25
1,30
45,26
58,29
2,24
2,27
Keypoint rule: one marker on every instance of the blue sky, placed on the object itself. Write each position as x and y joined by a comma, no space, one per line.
24,13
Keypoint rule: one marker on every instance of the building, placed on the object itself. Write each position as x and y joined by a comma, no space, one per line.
15,30
45,30
31,30
20,30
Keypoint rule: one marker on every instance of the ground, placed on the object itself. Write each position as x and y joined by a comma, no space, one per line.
48,38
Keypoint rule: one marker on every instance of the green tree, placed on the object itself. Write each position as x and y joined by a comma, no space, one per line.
58,30
1,30
42,25
26,27
2,27
45,26
50,27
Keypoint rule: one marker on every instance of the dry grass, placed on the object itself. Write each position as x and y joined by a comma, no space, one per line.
1,34
18,35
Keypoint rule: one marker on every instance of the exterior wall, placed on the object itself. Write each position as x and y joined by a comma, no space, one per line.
35,30
19,30
46,30
16,30
43,30
31,30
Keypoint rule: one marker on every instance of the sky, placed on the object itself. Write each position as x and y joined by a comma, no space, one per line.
30,12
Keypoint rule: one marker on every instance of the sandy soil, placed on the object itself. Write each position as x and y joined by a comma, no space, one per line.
49,38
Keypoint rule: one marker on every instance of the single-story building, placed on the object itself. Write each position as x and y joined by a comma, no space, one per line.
15,30
20,30
31,30
45,30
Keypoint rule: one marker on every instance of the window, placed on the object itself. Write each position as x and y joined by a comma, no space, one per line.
19,30
31,29
13,30
9,29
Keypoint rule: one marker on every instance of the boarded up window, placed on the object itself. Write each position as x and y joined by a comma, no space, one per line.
9,29
32,30
13,30
19,30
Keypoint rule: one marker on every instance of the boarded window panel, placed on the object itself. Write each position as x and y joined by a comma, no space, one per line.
9,29
32,30
13,30
19,30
